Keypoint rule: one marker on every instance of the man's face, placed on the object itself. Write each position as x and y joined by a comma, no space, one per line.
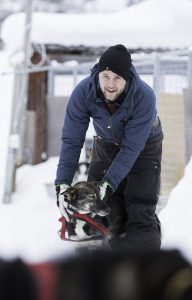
111,84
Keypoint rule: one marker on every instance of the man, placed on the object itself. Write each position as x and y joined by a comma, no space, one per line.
126,151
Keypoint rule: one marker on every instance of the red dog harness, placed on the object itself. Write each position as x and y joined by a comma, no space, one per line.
103,230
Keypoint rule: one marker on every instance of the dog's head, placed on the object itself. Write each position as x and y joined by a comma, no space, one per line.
84,198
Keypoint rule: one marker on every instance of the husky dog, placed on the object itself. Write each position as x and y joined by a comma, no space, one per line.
87,213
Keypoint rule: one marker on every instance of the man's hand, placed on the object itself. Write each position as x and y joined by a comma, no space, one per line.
61,203
106,190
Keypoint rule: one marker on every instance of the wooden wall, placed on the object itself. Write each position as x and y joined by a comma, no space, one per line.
36,108
171,112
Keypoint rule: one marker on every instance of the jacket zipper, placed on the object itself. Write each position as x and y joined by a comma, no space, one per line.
109,123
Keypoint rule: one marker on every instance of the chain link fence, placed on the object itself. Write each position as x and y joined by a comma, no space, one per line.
166,73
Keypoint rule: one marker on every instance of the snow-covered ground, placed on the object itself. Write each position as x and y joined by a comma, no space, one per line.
29,224
176,217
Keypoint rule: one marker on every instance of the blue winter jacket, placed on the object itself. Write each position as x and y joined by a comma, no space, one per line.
130,126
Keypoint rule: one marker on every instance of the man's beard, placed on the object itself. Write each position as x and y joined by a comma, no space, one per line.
111,96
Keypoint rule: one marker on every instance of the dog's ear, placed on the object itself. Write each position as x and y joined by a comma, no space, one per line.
70,194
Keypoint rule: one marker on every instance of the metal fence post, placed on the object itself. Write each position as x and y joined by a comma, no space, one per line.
16,138
50,85
75,74
189,69
156,76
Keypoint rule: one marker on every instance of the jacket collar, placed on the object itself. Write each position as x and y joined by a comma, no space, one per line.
133,87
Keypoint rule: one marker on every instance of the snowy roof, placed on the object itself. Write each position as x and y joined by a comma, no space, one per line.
149,24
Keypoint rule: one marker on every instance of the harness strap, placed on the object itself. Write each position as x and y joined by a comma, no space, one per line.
63,228
87,219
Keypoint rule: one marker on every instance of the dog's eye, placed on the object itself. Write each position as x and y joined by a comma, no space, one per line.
91,196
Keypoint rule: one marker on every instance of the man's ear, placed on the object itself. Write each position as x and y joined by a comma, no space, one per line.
70,194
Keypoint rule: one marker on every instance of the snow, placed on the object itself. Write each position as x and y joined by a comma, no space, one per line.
176,216
29,224
150,24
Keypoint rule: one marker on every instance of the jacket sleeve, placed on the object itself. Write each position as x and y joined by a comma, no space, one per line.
136,133
73,135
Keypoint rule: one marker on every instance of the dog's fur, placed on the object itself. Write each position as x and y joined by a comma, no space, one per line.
84,198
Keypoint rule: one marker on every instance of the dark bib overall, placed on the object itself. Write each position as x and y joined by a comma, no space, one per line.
132,220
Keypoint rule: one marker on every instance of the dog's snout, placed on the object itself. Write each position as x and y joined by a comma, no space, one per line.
104,211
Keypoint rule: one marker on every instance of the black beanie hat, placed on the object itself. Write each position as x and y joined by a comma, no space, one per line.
116,59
